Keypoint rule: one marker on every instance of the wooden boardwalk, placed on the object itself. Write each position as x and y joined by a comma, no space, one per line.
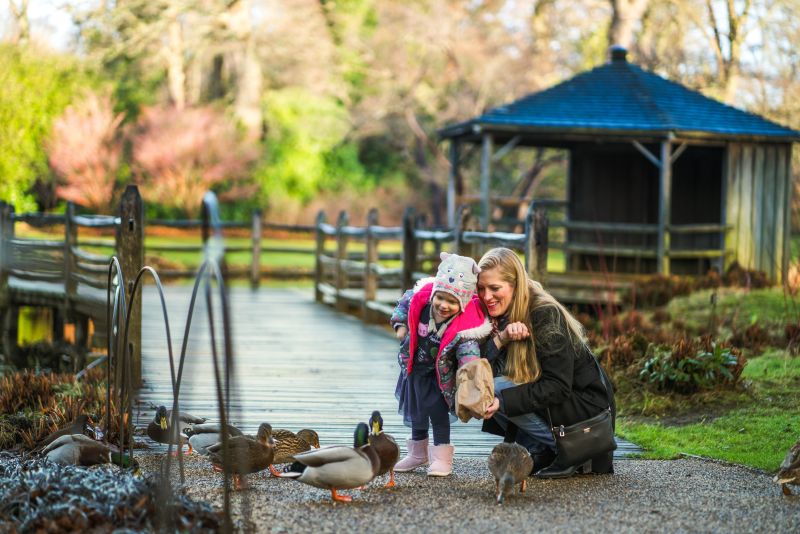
298,364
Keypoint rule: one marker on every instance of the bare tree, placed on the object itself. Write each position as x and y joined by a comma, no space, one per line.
725,37
626,14
20,13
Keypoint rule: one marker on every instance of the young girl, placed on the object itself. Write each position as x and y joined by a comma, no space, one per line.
441,323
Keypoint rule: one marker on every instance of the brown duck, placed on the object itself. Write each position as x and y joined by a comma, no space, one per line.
385,446
248,455
81,425
287,444
789,473
510,465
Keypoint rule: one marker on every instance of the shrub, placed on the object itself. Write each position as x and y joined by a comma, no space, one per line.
179,154
85,151
658,290
688,366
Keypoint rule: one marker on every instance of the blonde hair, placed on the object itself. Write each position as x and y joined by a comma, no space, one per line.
522,365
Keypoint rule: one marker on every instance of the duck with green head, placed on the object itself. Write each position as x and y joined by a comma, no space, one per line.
385,446
77,449
160,429
338,466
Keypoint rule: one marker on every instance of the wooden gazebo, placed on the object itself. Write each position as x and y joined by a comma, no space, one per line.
661,179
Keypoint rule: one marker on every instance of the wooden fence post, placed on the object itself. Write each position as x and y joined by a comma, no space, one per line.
410,244
5,257
70,241
319,268
255,264
462,220
341,257
9,314
130,248
536,230
370,261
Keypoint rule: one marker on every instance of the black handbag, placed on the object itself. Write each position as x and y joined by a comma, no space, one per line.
577,443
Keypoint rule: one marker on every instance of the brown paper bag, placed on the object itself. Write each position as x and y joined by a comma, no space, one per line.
474,389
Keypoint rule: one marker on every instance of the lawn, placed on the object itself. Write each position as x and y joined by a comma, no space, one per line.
753,424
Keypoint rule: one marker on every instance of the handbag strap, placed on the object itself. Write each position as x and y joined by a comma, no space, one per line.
602,381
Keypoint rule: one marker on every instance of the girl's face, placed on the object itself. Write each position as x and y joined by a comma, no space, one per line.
495,292
444,306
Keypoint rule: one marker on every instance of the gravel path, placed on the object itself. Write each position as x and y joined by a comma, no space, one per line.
686,495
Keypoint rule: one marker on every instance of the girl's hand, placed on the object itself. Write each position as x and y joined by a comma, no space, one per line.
491,408
401,332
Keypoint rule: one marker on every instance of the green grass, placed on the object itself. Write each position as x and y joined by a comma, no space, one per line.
756,426
771,307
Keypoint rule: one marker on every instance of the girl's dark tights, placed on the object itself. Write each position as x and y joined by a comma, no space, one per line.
440,420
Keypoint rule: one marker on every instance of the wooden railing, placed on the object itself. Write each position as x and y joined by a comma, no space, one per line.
69,276
363,280
256,249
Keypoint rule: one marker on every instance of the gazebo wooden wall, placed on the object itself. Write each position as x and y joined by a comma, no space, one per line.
757,204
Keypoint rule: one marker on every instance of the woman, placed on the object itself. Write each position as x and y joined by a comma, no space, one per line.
540,362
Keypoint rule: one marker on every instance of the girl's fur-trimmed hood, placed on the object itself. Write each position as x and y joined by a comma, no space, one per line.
478,332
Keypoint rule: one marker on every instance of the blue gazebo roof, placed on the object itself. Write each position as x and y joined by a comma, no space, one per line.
623,99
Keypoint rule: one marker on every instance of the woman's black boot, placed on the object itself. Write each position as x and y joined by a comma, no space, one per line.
603,464
543,459
559,471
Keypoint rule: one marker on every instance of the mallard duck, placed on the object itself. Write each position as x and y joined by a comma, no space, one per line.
338,466
248,455
204,435
510,464
789,473
159,428
80,425
287,444
77,449
385,446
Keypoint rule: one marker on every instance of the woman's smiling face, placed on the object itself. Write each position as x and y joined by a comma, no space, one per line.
495,292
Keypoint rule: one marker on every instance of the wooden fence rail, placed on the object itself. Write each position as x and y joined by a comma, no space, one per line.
370,285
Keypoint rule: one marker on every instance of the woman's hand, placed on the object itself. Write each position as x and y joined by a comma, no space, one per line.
512,332
491,408
401,332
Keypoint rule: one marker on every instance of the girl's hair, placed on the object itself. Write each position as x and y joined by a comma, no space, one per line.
522,365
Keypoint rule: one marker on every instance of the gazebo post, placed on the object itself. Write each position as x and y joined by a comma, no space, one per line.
486,171
664,206
455,149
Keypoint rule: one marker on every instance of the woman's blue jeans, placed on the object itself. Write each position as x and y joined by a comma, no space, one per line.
533,432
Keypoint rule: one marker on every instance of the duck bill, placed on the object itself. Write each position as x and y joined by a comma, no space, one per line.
163,423
376,427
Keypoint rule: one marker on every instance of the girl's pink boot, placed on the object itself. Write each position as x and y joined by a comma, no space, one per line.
417,456
441,460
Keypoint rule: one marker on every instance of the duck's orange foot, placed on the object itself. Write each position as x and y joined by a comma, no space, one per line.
341,498
523,486
240,482
217,468
391,483
274,471
785,489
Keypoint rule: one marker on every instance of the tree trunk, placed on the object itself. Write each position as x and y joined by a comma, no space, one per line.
626,13
175,65
20,14
249,79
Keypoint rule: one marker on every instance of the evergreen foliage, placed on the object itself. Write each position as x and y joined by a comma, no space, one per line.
37,87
